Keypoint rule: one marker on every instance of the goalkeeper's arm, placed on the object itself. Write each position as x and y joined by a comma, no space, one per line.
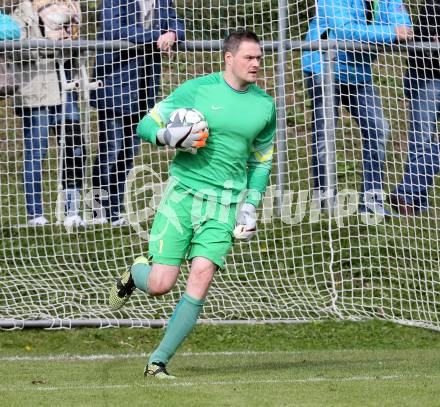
187,138
149,126
260,162
259,168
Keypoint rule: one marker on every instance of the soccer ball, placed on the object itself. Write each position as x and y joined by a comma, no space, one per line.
186,117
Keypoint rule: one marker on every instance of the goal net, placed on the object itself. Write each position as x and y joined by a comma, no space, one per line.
315,257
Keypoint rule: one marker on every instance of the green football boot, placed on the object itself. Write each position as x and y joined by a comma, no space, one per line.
157,370
121,291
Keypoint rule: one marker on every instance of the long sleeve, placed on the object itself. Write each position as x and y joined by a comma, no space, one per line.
10,30
149,126
122,22
158,117
173,23
260,161
345,26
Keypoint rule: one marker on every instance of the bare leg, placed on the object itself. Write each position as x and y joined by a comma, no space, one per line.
187,310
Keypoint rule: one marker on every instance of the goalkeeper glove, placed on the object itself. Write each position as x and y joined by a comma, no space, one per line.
246,225
186,138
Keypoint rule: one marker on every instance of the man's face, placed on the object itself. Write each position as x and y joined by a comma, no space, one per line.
245,64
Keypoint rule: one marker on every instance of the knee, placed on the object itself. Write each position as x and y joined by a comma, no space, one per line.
377,136
78,151
202,274
156,289
110,156
36,155
159,284
378,131
200,279
382,130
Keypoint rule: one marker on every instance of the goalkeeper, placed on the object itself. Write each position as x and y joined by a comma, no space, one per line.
210,179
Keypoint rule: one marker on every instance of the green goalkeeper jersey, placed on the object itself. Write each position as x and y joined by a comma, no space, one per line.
238,152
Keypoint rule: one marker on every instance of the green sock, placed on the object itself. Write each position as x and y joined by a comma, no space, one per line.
140,270
179,327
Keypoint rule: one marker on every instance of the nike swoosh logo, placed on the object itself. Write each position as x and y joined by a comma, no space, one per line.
216,107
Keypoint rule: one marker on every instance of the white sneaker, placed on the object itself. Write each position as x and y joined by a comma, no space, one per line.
74,221
38,221
97,221
120,222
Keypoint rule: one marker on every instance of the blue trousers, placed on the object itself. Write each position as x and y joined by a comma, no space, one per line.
423,143
365,107
118,146
37,123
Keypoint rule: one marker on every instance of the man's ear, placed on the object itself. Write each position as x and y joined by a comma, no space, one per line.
228,57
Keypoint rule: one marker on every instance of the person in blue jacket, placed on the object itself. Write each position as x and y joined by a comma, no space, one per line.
9,29
131,82
422,90
365,21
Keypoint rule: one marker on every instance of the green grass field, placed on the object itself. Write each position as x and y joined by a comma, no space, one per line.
320,364
388,270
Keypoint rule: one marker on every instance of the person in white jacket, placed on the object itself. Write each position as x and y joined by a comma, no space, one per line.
38,101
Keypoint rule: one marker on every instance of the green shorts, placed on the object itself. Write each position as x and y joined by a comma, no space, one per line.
187,225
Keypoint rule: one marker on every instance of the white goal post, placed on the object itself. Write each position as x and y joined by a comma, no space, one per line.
315,257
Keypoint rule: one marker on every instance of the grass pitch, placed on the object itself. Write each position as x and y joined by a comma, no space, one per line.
325,364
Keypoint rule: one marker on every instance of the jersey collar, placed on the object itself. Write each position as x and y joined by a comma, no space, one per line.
230,87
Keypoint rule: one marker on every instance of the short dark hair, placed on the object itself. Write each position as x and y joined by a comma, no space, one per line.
235,38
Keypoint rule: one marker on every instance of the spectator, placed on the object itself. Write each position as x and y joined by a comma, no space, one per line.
378,22
39,103
422,88
9,29
131,84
